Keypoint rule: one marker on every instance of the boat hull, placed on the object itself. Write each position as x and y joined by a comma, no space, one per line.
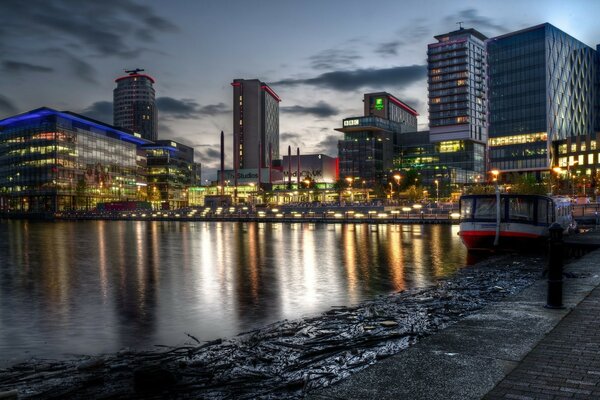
478,236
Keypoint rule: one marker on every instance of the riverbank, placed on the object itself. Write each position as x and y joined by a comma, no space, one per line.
286,359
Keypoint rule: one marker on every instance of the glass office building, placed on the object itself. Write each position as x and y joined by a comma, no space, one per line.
452,162
542,88
171,171
52,161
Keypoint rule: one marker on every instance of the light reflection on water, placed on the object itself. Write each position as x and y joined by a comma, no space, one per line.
98,286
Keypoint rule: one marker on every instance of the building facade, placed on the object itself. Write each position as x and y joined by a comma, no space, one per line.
452,163
171,171
366,152
255,124
134,104
52,161
457,87
543,88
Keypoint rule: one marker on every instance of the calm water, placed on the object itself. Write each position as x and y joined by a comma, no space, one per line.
91,287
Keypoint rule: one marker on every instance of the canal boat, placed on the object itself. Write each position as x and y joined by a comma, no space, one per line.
515,221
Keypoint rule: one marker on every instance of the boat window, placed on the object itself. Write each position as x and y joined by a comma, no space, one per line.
542,211
466,208
520,209
485,208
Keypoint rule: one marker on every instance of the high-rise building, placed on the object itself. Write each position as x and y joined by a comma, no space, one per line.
366,152
134,104
255,124
542,89
457,86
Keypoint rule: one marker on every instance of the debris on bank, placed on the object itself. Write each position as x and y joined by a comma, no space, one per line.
285,359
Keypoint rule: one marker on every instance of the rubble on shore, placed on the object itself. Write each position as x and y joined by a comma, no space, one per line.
285,359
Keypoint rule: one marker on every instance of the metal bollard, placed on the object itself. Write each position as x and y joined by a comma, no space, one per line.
555,267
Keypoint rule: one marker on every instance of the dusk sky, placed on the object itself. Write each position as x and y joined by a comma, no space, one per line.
319,56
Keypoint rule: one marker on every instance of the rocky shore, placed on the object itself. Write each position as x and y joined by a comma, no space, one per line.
283,360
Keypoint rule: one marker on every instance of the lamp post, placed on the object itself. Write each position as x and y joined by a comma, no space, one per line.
558,171
397,178
437,192
570,176
350,180
495,174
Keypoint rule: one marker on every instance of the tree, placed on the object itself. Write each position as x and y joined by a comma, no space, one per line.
339,186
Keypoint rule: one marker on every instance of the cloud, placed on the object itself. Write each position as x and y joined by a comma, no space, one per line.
470,18
100,111
115,30
321,109
170,107
16,67
78,67
329,145
289,136
360,78
334,59
388,49
7,107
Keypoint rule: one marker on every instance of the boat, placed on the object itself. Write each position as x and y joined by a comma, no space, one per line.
515,221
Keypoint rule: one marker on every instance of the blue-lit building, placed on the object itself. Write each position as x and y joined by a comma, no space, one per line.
171,171
56,160
542,89
366,152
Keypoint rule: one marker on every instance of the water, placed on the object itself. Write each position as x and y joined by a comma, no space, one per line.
70,288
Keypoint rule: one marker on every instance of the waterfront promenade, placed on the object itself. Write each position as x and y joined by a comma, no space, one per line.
513,349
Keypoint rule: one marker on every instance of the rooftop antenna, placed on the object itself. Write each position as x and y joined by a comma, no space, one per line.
133,71
459,23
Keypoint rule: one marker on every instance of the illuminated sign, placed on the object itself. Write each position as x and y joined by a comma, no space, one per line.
379,104
351,122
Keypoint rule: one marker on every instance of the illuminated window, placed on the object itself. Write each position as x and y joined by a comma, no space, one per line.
580,159
518,139
583,146
436,100
460,120
450,146
461,82
573,147
562,149
592,145
590,159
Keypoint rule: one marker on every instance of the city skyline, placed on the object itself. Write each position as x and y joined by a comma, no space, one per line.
53,57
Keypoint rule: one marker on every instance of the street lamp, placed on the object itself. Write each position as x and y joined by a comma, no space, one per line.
570,176
397,177
437,191
349,179
495,174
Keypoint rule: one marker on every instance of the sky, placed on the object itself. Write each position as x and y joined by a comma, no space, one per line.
320,57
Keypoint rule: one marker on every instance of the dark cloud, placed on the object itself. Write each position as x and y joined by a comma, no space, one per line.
389,49
6,107
470,18
212,153
107,28
289,136
100,111
334,59
75,64
360,78
215,109
16,67
321,109
329,145
187,108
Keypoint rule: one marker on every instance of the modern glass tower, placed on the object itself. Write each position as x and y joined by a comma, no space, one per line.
542,88
134,105
457,86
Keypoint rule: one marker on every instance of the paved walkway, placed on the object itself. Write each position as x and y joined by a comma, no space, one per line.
514,349
565,364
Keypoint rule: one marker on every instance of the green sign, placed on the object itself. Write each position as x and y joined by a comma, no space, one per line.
379,104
